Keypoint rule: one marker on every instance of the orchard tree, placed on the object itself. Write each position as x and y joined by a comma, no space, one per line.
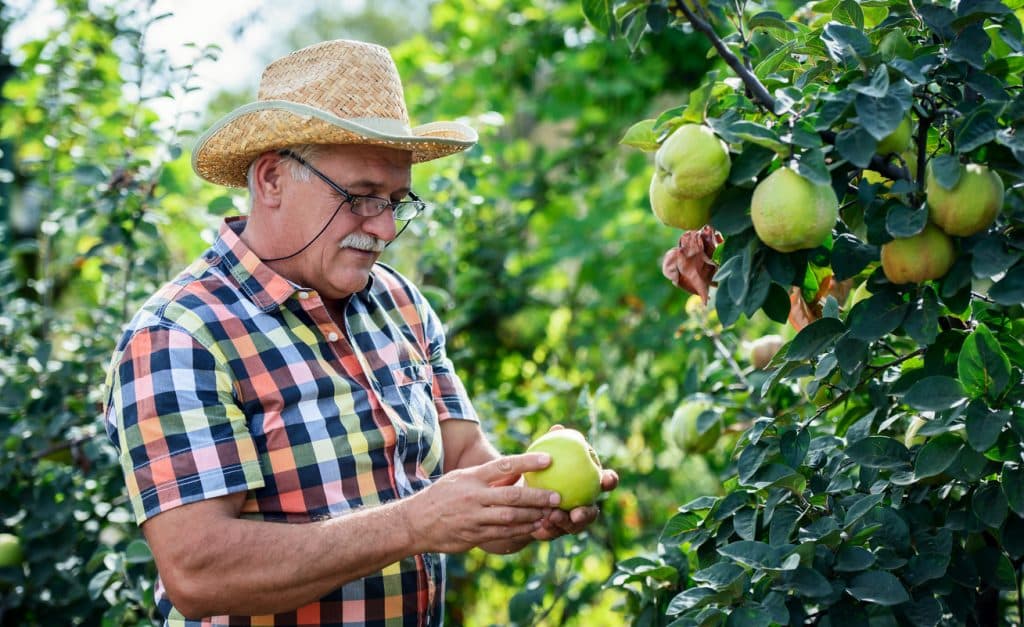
870,199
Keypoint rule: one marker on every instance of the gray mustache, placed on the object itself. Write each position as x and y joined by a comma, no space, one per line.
363,242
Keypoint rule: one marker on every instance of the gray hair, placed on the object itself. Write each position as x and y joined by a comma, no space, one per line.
307,152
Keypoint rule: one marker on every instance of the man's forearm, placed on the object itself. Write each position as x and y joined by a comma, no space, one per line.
238,566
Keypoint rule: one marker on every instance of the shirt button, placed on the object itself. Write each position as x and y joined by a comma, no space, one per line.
332,337
303,295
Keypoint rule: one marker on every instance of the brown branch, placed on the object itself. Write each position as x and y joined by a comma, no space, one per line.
758,91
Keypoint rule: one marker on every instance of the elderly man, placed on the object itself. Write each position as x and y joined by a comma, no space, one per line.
287,377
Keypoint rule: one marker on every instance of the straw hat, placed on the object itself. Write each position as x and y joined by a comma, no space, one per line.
335,92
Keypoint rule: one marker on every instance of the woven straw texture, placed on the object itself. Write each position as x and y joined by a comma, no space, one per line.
335,92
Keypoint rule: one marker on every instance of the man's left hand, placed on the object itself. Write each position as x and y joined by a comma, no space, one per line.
560,522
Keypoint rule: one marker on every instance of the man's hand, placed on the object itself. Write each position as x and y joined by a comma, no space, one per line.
472,506
560,523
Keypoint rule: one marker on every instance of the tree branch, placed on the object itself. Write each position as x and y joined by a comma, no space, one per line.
758,91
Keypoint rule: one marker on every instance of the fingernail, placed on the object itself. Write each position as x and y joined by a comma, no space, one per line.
555,499
544,458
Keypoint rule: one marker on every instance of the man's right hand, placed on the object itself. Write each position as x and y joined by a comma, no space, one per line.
473,506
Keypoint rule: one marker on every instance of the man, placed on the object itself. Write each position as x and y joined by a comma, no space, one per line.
286,377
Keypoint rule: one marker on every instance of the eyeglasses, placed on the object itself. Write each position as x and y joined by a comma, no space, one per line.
366,206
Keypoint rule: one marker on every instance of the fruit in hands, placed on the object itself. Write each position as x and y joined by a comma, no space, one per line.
694,161
898,140
678,211
684,428
791,212
971,206
10,550
574,472
922,257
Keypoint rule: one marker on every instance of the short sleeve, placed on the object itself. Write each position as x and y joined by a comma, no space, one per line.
450,396
172,416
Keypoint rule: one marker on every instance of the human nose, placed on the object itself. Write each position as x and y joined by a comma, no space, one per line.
381,226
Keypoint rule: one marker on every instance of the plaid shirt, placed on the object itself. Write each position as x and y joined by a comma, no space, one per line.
231,378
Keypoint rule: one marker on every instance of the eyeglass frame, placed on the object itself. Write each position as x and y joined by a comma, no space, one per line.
352,199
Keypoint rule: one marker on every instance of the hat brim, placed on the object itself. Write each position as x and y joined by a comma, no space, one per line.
223,154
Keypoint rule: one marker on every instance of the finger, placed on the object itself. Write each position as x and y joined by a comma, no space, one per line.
582,516
609,480
511,466
521,496
555,428
512,516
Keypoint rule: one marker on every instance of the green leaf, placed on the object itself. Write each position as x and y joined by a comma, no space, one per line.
760,555
98,583
880,587
937,455
877,316
925,567
683,522
697,104
849,12
641,135
859,509
689,599
970,46
878,451
935,393
794,445
946,170
844,41
983,367
983,425
720,575
137,552
856,146
599,14
1013,487
978,128
807,582
1009,290
902,221
758,134
221,205
922,321
850,256
989,504
851,559
815,339
770,19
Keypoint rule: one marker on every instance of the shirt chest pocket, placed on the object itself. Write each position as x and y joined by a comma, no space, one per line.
409,394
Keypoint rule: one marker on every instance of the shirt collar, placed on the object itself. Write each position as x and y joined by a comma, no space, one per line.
267,289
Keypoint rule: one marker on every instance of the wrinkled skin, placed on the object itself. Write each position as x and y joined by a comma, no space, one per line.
689,265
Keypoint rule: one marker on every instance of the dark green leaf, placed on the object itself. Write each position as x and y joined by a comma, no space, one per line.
745,523
990,504
750,461
851,354
983,426
983,367
720,575
845,41
759,555
137,552
793,445
1013,487
859,509
880,116
748,616
98,583
749,164
935,393
922,321
815,338
770,19
852,559
811,165
688,599
1009,290
878,451
970,46
807,582
937,455
856,146
996,569
938,18
783,522
758,134
850,256
946,170
902,221
977,129
875,586
925,567
877,316
657,17
683,522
